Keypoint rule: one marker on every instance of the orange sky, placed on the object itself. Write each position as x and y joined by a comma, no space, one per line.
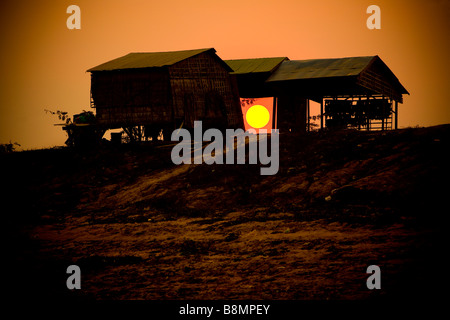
44,64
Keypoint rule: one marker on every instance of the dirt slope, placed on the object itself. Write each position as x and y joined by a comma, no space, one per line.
140,227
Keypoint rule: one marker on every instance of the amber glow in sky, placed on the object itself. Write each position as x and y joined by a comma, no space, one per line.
258,114
44,64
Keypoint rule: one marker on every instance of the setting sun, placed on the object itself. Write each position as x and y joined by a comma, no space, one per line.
257,116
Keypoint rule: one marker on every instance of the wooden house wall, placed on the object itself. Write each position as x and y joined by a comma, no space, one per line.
131,97
202,89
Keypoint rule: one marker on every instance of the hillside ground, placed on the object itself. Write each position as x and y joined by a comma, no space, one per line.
140,227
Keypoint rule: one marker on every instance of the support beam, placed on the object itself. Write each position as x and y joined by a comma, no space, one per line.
396,115
274,113
307,116
321,114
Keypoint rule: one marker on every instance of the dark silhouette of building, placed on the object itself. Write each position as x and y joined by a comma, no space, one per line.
146,92
358,92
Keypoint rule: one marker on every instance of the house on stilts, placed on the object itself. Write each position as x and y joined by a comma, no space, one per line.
147,92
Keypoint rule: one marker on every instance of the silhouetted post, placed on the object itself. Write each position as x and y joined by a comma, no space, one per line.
396,115
321,114
307,115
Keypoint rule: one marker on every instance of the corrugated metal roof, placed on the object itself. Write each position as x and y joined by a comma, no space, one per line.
241,66
148,60
320,68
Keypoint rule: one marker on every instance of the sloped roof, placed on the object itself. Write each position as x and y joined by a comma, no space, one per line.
241,66
137,60
334,73
320,68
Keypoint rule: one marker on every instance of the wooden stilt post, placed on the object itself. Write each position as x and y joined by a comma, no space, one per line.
396,115
307,116
321,114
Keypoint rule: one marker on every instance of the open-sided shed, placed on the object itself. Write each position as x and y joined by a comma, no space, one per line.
358,91
165,90
321,78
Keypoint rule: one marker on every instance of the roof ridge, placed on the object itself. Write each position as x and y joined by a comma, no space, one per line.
280,57
173,51
353,57
135,60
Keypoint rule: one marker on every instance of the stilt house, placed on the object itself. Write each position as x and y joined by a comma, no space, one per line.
150,91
